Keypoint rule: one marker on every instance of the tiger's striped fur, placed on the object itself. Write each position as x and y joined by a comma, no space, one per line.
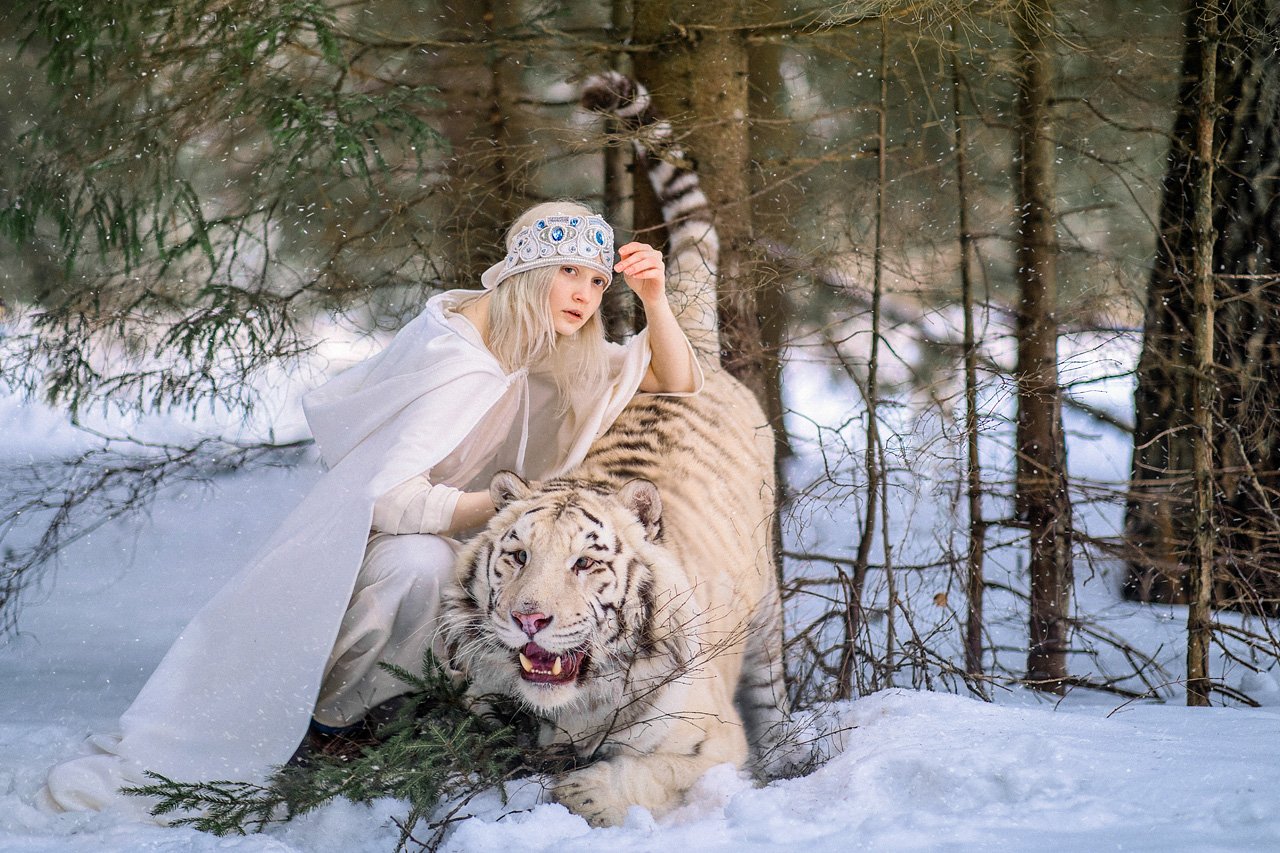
633,604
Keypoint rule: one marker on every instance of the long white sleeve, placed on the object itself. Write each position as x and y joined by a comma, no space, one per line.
416,506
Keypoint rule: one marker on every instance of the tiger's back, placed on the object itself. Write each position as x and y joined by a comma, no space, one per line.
711,457
710,454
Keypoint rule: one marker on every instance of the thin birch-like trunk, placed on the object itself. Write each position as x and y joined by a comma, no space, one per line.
1199,614
973,475
875,449
855,583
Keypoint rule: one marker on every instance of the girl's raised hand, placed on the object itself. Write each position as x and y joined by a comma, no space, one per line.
643,271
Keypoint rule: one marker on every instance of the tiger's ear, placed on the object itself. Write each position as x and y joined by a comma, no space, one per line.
505,487
642,498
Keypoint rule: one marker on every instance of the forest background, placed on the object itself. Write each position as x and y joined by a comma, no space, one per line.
956,221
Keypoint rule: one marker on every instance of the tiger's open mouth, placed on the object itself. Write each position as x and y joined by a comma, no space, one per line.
543,667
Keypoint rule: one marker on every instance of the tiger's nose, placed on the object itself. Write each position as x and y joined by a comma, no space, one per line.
531,623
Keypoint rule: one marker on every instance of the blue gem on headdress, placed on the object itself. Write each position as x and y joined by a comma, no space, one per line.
540,224
574,221
599,235
557,233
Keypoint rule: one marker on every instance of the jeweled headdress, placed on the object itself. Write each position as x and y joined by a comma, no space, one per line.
586,241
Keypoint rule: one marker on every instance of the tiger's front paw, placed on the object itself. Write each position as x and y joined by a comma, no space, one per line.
592,794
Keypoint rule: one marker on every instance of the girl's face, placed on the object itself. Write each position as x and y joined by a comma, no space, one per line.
575,296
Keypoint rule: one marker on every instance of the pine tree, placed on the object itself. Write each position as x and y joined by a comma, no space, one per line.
195,148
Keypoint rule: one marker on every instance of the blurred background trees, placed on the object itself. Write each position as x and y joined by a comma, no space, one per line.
1246,265
943,216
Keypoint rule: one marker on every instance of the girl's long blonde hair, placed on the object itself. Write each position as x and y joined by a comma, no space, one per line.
522,333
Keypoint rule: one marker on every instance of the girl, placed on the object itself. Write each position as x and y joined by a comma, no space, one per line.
517,377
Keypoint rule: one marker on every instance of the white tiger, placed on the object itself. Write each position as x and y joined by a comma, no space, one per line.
633,604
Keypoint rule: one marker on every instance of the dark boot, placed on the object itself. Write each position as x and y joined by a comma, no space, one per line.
345,742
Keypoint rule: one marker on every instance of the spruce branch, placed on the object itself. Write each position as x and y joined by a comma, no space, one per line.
222,808
432,752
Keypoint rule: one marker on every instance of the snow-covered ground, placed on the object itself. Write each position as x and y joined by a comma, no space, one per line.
910,770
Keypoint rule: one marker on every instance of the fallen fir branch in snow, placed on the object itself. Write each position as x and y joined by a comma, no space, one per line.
224,807
432,752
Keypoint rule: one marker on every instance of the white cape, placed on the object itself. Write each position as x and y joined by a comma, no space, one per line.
233,696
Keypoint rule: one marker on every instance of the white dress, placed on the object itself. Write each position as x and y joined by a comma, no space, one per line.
233,696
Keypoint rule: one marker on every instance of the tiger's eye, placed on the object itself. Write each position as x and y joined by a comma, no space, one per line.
521,557
583,563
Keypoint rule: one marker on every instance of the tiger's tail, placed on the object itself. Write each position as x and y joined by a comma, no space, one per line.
694,243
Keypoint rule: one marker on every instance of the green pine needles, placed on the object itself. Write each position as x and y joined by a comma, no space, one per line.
208,175
435,749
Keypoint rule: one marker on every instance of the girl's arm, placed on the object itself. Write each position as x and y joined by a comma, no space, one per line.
472,510
671,367
418,506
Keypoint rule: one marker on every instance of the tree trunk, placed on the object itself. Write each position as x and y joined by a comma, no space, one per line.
1202,398
773,202
1041,496
872,509
699,80
618,307
1160,523
975,581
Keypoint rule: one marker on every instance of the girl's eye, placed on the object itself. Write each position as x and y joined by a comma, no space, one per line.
521,557
568,270
599,282
584,563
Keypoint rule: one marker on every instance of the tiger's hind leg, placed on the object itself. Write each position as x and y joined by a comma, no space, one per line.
761,698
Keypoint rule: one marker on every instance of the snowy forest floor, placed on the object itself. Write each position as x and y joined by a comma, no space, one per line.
910,770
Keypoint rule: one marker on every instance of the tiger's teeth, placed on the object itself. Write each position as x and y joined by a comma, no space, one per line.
526,663
555,668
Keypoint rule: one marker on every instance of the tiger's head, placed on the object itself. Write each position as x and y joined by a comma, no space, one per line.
567,599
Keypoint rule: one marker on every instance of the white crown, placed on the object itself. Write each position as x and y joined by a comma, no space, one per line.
583,240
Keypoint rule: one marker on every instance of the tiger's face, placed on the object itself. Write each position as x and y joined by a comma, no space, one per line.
557,590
